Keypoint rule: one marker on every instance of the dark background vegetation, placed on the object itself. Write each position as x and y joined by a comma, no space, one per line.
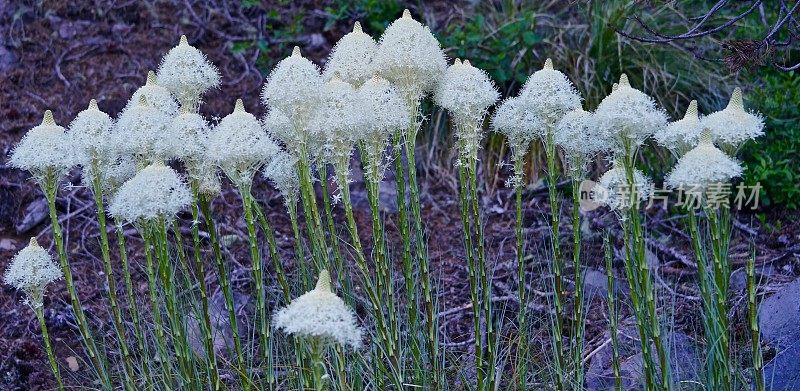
58,55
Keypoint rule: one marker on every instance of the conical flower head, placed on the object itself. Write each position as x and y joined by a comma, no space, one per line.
184,138
627,117
187,73
89,133
239,146
30,271
138,130
519,125
682,135
282,172
574,133
410,57
704,166
114,171
466,92
733,126
320,314
614,190
156,96
351,57
339,120
293,88
549,95
155,192
385,112
44,150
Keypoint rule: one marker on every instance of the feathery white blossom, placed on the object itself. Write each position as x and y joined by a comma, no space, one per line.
184,138
520,126
44,151
186,72
155,192
409,56
627,117
351,57
320,314
339,120
293,87
282,172
614,191
115,170
30,271
88,133
239,146
682,135
574,133
385,112
703,166
733,126
549,95
138,130
156,95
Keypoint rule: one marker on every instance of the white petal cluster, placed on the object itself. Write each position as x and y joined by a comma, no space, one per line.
385,112
239,146
320,314
155,95
520,126
703,166
186,72
614,191
114,171
89,132
282,172
682,135
574,133
339,120
410,57
293,88
138,130
184,138
351,57
30,271
627,117
153,193
549,95
44,150
732,126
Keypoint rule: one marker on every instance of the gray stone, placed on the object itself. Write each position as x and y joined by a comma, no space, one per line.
36,212
779,317
783,372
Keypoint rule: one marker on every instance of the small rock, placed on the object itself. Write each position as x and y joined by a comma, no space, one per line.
36,212
779,317
595,283
7,244
783,372
72,363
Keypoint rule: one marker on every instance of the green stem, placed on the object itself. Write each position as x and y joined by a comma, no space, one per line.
474,284
155,308
612,315
404,225
48,347
522,347
318,365
578,304
316,235
558,261
755,340
266,227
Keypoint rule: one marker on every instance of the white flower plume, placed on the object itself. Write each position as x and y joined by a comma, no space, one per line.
549,95
614,191
114,171
293,87
153,193
239,146
184,138
44,150
385,112
410,57
733,126
339,120
682,135
351,57
282,172
30,271
89,132
187,73
574,133
520,126
321,314
703,166
138,130
627,117
156,95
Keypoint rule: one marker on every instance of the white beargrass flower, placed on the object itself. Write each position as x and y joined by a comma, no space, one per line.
339,120
320,314
466,92
114,171
351,57
282,172
574,133
703,166
614,191
733,126
385,112
240,147
186,72
88,133
293,88
156,192
409,56
549,95
520,126
184,138
156,95
682,135
138,130
44,151
30,271
626,118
